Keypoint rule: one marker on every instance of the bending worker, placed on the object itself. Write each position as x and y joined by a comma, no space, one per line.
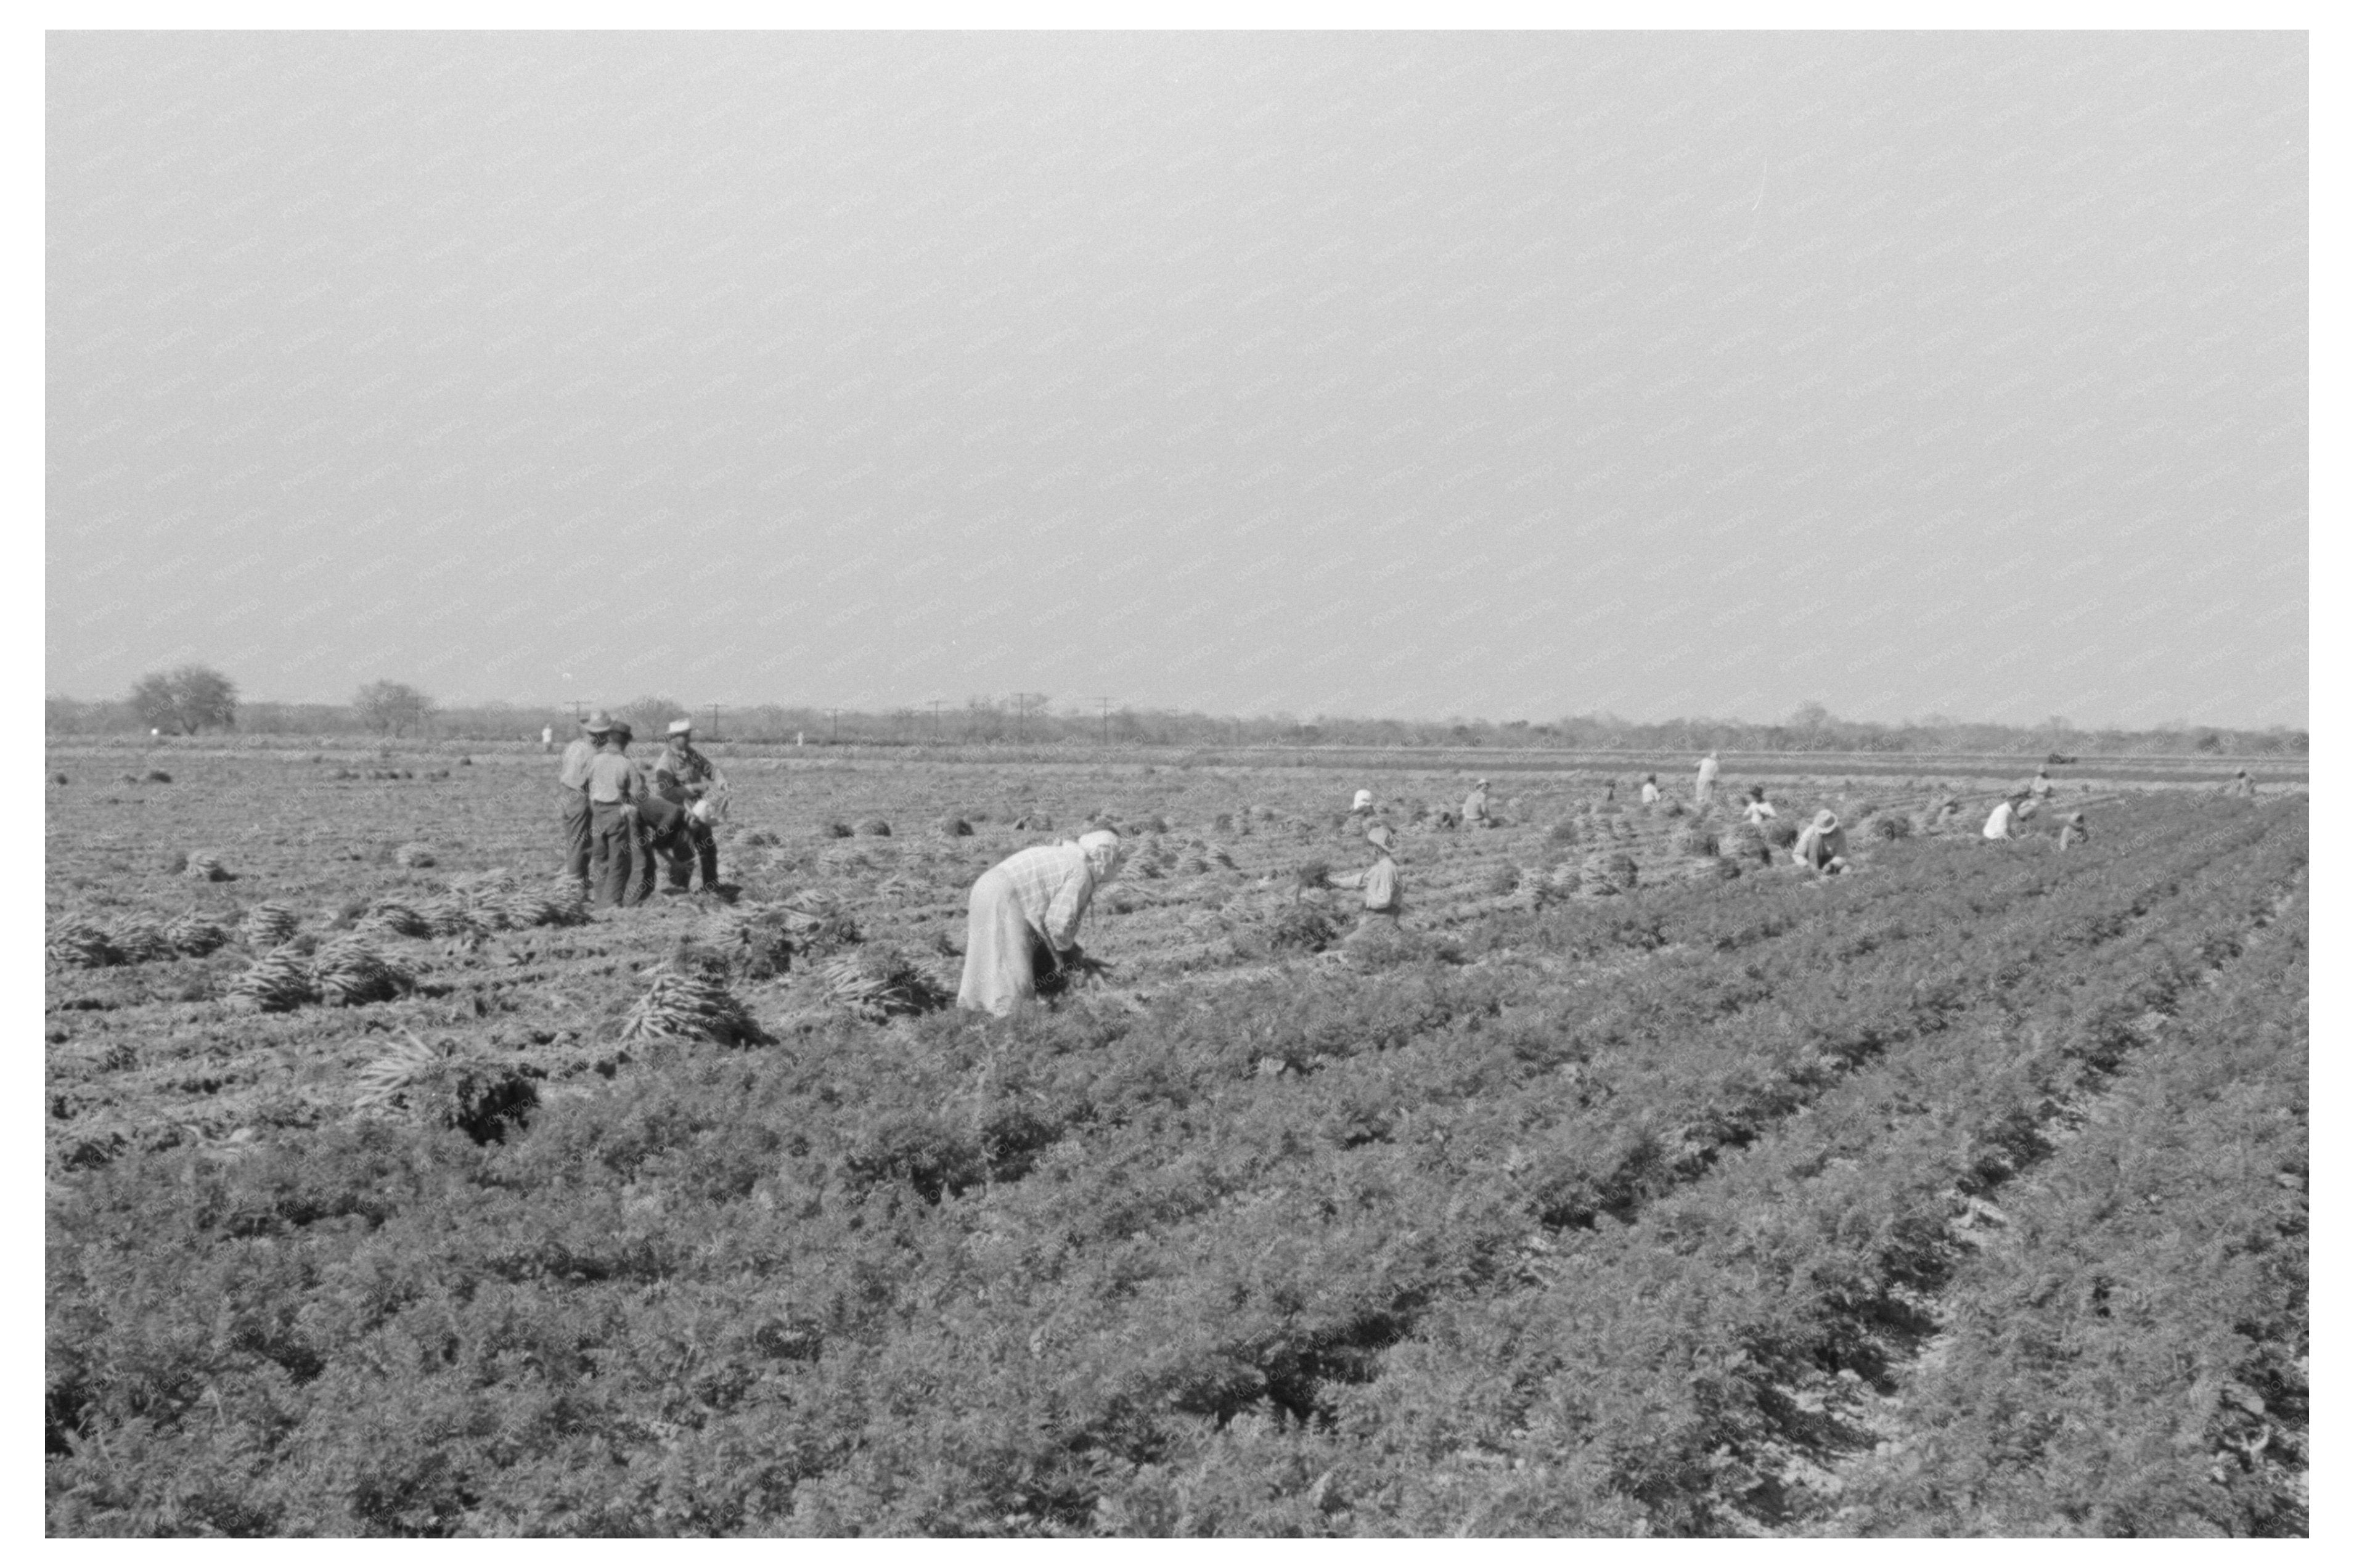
572,775
1384,897
1026,912
2002,822
1822,844
683,777
2071,829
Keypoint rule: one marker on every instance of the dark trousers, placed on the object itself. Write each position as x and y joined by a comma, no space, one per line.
615,850
576,835
697,847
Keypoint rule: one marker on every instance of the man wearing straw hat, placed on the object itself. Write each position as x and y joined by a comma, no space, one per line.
1024,912
1475,805
616,789
685,777
572,775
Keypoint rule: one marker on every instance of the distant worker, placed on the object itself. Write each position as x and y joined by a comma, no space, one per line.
2072,831
547,738
1757,810
1822,844
1947,808
572,776
2242,787
685,778
1025,912
616,789
1385,898
1475,805
2038,789
1704,791
1651,790
1609,791
2002,822
1363,801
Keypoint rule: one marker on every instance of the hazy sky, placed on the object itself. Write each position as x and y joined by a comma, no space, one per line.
1419,374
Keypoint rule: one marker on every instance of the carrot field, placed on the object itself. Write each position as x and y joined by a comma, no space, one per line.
1641,1184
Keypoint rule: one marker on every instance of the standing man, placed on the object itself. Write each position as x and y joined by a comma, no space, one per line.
572,776
1026,912
614,789
547,738
683,776
1705,790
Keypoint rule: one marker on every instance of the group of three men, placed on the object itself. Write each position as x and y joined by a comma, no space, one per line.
616,822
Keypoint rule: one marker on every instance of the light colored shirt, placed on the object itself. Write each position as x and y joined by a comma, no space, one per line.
1998,822
1475,805
1651,792
613,778
1052,884
1757,812
1708,770
1380,880
573,771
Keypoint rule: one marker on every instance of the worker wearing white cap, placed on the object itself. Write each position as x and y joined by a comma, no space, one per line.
1363,801
1024,912
1475,805
685,778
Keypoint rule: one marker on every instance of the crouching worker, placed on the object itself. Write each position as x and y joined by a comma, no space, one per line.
2071,829
1026,914
1822,844
2002,822
1385,898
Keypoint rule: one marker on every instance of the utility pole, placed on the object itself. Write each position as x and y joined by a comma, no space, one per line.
833,723
715,721
1106,719
936,721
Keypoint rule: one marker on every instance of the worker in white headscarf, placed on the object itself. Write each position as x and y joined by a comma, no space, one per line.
1025,917
2002,822
1822,844
1704,789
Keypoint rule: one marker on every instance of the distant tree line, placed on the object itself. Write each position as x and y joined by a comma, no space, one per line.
193,698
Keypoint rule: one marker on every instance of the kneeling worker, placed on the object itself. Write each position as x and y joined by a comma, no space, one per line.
1025,911
2002,822
1385,898
1822,844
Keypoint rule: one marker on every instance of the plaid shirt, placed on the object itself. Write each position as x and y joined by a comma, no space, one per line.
682,774
1052,884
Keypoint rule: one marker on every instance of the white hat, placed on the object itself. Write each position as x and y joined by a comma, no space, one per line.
1364,798
682,726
